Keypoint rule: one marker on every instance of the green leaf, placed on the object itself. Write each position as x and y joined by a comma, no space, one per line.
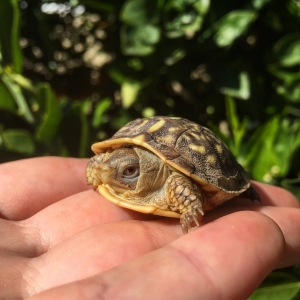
50,112
175,56
184,17
290,91
258,4
271,147
9,34
284,74
287,143
277,285
178,27
6,99
140,31
139,12
130,92
100,109
243,90
202,6
238,128
231,114
286,291
148,112
117,75
16,93
19,141
287,50
261,156
139,40
22,81
233,25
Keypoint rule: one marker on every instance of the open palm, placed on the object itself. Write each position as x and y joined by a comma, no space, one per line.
60,239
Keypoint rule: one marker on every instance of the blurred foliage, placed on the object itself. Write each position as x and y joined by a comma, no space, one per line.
73,72
278,286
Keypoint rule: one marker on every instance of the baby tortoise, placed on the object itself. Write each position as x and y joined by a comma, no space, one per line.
167,166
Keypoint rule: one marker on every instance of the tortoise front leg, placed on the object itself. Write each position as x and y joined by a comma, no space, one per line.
183,196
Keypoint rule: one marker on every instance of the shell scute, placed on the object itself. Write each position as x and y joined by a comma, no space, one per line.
169,153
218,168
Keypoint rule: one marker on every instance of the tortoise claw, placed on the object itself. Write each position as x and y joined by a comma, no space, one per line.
184,228
191,219
196,221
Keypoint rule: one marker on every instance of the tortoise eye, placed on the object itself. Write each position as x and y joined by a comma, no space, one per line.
131,172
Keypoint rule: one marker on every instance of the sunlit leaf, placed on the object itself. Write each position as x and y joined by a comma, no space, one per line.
258,4
188,19
129,93
233,25
232,114
202,6
19,141
271,147
138,12
139,40
238,128
290,90
16,93
22,81
287,50
148,112
243,90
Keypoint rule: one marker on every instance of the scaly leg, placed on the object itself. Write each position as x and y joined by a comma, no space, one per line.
183,196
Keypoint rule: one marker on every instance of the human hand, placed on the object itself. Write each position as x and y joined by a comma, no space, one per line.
61,240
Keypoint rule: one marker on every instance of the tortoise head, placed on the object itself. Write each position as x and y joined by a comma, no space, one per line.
130,173
120,170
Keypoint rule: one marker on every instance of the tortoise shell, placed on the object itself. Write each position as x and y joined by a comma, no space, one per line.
186,147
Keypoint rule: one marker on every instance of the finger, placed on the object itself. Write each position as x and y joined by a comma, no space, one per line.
95,250
288,219
67,217
269,195
27,186
63,219
276,196
84,254
208,263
